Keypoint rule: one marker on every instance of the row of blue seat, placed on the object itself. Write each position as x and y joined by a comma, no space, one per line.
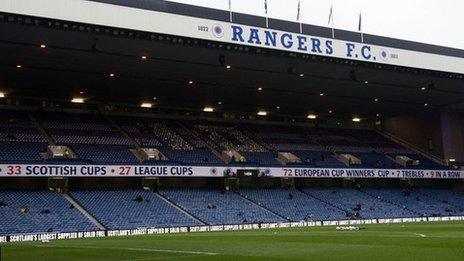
95,140
42,211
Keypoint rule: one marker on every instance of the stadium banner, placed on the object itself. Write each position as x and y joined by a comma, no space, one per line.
48,170
363,173
104,14
55,236
341,225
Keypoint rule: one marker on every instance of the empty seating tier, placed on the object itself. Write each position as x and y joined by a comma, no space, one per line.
125,209
102,139
45,211
20,141
215,207
293,204
39,211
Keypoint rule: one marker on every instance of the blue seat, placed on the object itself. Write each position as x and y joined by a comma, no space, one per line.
61,218
117,209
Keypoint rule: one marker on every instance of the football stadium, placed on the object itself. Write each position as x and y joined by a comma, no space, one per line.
156,130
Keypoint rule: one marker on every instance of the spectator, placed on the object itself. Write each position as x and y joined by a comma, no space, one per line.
138,199
3,203
309,217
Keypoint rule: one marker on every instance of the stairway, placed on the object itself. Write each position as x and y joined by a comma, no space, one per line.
389,202
180,208
41,129
210,147
123,132
326,202
260,206
84,212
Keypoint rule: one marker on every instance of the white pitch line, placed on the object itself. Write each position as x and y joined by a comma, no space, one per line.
159,258
136,249
170,251
419,234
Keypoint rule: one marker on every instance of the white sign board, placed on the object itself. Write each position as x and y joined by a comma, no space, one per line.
165,23
49,170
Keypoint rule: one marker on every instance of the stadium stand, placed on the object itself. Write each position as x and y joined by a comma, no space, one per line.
414,201
39,211
445,196
99,139
193,116
125,209
172,139
20,141
91,137
344,142
142,134
293,204
359,205
320,147
225,137
29,211
94,139
215,207
296,140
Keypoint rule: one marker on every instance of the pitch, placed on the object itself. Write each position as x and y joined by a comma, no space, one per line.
420,241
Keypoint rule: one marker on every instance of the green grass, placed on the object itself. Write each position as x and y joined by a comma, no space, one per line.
419,241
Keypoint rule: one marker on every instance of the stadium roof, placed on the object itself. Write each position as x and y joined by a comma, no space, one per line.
288,26
81,58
